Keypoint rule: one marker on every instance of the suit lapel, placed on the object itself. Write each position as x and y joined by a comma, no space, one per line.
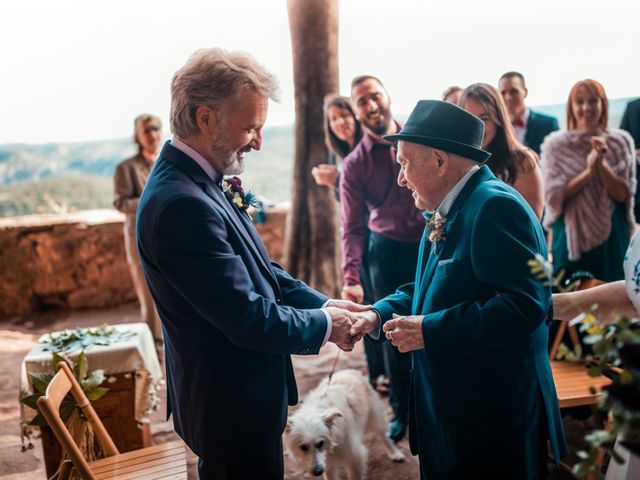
531,126
423,254
480,176
254,242
434,257
191,168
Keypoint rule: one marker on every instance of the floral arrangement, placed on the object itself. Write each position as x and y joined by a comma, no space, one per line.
232,188
436,226
616,354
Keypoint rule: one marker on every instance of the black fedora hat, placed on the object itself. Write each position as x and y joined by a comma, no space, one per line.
445,126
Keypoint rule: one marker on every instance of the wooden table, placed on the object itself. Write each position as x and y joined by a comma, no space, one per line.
131,369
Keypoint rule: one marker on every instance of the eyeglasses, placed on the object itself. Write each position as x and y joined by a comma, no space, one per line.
151,128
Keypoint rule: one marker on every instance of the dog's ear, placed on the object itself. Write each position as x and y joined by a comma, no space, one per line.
287,429
330,416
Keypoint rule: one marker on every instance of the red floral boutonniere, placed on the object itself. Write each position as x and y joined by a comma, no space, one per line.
436,226
232,188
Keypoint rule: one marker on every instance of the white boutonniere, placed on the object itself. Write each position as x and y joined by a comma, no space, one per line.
436,226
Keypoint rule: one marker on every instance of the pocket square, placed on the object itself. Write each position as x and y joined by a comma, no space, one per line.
446,262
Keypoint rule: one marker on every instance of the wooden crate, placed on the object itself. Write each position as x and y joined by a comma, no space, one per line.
116,409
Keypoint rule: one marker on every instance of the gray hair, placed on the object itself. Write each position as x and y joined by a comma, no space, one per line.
213,77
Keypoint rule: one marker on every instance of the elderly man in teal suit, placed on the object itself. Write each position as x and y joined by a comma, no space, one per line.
483,402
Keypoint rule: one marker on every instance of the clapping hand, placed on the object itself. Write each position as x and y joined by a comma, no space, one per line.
326,175
405,333
598,149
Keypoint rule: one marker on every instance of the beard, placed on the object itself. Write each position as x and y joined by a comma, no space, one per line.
226,160
381,125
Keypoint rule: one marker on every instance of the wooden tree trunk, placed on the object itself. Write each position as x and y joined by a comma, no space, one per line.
312,244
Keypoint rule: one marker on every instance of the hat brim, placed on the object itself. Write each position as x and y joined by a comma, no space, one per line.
450,146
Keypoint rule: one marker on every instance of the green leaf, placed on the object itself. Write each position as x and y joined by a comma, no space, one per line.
40,381
66,407
595,371
30,400
625,377
55,360
591,339
96,393
38,420
81,367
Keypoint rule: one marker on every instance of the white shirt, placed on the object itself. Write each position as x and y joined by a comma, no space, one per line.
522,131
446,204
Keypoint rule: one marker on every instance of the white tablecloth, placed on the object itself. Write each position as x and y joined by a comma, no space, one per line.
136,354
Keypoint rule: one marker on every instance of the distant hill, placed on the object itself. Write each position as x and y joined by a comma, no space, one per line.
78,176
42,178
65,194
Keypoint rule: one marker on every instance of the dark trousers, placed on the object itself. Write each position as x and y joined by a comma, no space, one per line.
374,351
392,264
265,464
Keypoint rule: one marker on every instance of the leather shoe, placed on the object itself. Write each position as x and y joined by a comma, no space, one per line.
397,430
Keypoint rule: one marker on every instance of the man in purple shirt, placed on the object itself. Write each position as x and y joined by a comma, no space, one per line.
396,225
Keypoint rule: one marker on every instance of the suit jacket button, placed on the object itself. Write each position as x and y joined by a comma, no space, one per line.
278,301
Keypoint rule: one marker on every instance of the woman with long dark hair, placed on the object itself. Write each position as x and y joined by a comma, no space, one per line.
510,160
342,132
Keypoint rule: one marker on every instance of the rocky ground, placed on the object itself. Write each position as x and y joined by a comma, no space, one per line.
18,335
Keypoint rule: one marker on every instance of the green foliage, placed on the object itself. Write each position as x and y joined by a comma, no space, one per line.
83,338
621,400
90,384
59,195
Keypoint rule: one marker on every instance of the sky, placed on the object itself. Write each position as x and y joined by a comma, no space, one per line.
80,70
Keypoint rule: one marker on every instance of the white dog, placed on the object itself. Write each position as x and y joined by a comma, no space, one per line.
328,429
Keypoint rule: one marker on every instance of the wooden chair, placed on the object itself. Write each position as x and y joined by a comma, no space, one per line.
160,461
572,380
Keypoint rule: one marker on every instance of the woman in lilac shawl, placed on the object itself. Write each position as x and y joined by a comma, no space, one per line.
589,178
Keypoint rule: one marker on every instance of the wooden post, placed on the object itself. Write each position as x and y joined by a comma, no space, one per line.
312,247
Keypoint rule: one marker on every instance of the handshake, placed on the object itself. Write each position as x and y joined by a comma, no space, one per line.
350,322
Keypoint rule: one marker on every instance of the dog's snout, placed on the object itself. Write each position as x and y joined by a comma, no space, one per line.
317,471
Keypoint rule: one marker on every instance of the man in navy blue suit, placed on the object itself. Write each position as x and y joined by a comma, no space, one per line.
230,317
531,127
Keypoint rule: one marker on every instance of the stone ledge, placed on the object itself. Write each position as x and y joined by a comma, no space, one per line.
77,260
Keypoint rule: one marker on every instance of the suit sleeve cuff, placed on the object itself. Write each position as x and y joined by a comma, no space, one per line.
329,324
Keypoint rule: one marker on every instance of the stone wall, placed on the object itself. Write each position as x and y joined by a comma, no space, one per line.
77,260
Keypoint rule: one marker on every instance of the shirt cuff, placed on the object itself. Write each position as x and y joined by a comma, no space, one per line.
329,324
375,334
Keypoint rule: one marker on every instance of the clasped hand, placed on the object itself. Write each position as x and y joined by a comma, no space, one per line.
349,322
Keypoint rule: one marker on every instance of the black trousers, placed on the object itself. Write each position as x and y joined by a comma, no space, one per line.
266,464
374,351
392,264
